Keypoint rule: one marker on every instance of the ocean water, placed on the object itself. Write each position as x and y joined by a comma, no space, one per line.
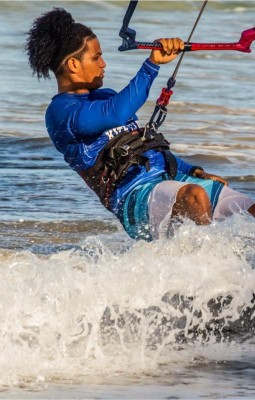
87,313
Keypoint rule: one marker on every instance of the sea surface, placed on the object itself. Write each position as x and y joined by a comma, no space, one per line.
87,313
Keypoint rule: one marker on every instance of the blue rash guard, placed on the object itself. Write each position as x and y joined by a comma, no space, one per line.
80,125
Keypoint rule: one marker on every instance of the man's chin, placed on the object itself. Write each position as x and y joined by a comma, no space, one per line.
96,84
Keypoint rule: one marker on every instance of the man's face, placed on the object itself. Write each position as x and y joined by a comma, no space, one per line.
92,65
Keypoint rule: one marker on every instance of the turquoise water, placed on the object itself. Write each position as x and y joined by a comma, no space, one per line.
84,311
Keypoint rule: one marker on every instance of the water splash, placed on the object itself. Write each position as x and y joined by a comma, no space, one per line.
103,310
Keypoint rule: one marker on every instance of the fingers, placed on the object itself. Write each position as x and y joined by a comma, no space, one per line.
169,51
221,180
217,178
171,46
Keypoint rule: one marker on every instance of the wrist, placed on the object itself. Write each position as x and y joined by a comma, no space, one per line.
196,170
151,59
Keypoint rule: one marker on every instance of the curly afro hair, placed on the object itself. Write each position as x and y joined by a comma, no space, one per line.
53,36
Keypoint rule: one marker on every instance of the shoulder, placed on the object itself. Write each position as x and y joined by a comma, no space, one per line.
59,104
64,99
70,98
62,103
101,94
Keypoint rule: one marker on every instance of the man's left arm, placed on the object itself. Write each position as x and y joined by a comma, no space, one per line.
198,172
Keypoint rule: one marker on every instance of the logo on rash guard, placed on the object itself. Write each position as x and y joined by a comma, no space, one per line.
111,133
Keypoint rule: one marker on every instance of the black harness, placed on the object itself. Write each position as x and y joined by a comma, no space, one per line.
122,152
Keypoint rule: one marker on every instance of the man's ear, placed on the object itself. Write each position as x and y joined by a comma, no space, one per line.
73,64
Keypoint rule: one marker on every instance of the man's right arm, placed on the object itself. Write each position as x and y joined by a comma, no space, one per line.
96,116
117,110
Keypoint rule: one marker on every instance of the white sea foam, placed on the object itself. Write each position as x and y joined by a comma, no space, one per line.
92,311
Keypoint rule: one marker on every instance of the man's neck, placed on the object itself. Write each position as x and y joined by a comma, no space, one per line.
76,88
67,86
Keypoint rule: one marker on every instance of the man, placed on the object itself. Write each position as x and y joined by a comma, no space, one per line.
135,176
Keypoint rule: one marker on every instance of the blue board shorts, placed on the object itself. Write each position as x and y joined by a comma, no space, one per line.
133,212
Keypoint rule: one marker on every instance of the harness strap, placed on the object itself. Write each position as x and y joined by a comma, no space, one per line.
171,163
121,153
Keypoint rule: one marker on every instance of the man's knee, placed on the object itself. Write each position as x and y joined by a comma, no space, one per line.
193,202
193,195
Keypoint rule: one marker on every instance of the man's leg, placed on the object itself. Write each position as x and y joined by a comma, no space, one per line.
232,202
170,199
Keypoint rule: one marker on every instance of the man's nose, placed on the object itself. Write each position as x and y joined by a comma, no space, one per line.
103,63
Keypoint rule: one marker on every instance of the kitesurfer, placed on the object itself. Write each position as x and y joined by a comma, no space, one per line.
135,176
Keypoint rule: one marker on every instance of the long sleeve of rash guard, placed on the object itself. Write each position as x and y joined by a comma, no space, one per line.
96,116
75,123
